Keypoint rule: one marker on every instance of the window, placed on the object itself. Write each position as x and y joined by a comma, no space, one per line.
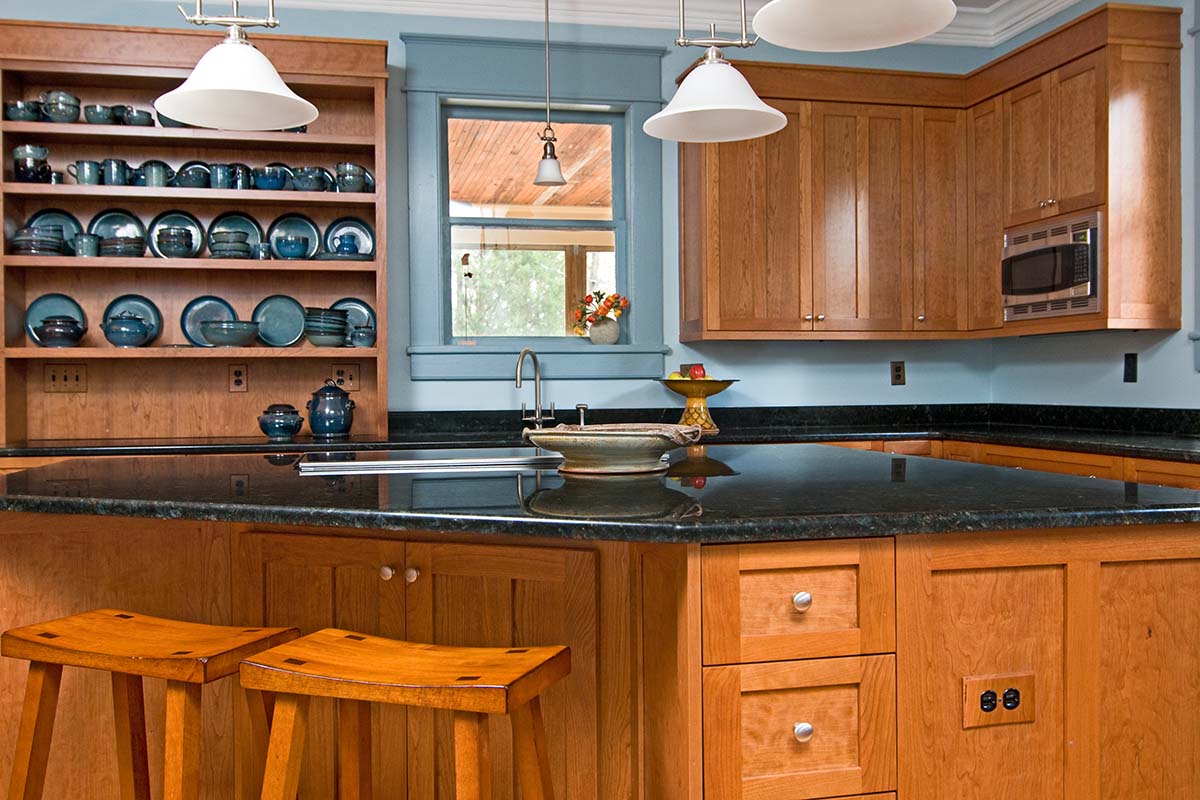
521,256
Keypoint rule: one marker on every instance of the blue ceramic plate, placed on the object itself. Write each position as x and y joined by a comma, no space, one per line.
52,305
116,222
360,314
176,219
294,225
203,309
139,306
280,320
237,221
63,219
360,229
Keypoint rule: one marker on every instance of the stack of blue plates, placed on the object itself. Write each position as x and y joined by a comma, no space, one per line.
38,242
326,327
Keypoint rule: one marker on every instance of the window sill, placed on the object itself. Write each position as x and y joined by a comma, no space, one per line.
559,359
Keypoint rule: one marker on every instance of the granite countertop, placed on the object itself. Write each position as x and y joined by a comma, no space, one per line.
736,493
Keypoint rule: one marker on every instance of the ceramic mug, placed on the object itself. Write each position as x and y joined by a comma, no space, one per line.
36,151
220,176
114,172
31,170
99,115
243,176
261,251
86,173
157,173
57,178
87,245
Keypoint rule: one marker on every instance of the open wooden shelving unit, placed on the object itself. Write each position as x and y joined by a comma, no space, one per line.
169,390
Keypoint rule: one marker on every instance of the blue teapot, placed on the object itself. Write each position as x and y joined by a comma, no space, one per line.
330,412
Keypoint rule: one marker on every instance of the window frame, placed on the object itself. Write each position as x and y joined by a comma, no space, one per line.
453,108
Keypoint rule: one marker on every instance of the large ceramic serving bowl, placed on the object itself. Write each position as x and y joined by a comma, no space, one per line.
612,497
613,449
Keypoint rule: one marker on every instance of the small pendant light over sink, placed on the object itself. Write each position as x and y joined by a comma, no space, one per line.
714,103
234,86
549,170
845,25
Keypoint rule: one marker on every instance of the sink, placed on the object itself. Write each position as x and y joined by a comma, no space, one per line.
394,462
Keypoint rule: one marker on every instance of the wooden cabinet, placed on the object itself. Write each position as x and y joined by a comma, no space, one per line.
1055,142
1163,473
1096,626
985,218
941,232
754,743
862,217
1091,465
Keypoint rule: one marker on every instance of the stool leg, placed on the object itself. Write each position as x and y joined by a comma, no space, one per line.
533,759
182,756
252,760
354,750
472,765
284,757
37,726
129,713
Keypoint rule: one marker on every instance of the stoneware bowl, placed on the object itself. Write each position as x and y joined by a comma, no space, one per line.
59,332
140,118
270,179
229,332
292,246
126,330
613,449
99,115
60,112
280,422
23,110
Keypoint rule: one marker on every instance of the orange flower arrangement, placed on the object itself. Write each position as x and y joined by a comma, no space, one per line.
597,306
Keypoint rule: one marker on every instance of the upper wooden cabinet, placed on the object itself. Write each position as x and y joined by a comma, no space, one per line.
1055,142
880,211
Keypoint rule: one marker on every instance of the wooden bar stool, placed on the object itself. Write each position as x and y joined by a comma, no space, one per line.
131,647
359,670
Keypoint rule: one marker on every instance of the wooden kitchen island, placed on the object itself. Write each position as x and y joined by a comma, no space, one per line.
875,598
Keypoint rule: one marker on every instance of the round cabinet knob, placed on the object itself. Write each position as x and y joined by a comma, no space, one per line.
921,318
808,317
411,574
1042,204
820,317
1051,202
803,732
387,573
802,601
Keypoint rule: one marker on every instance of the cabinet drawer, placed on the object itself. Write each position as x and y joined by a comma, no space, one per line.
1163,473
913,447
751,714
754,608
1087,464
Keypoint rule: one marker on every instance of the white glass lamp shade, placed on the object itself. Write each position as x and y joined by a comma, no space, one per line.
715,104
837,26
235,87
549,168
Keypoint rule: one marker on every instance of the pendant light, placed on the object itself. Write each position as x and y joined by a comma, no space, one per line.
549,171
715,103
234,86
846,25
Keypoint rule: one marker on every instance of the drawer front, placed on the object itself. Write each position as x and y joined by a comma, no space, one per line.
752,750
1163,473
960,451
779,602
913,447
1086,464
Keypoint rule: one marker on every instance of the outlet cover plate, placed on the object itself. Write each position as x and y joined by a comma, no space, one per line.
898,376
346,376
975,685
65,378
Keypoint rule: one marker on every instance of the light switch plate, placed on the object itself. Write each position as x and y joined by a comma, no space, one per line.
975,685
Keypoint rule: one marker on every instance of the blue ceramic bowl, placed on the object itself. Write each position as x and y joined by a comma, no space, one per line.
193,178
229,333
60,112
292,246
310,181
126,330
99,115
59,331
363,337
281,427
139,117
270,179
23,110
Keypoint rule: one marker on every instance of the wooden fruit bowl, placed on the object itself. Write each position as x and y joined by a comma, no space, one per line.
697,393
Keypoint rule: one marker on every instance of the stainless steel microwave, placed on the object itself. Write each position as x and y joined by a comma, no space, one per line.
1052,268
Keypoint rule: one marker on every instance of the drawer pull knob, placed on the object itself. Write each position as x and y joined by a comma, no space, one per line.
803,732
386,573
802,601
411,574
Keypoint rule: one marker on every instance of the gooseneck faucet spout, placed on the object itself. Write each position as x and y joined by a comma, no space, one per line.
537,419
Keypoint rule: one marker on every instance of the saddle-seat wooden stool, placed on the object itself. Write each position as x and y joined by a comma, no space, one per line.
358,670
131,647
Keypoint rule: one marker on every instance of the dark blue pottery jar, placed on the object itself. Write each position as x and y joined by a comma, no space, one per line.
330,412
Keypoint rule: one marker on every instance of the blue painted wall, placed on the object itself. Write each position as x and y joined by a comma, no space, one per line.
1081,369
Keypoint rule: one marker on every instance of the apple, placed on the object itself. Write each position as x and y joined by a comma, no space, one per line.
675,376
696,373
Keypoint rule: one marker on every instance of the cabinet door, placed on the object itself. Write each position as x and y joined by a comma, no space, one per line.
497,596
760,278
940,222
1162,473
752,745
1079,144
862,217
1089,465
985,200
315,582
1028,126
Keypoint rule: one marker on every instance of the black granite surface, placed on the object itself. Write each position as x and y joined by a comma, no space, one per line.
736,493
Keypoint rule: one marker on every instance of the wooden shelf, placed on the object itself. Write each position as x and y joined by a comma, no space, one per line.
222,196
114,353
199,264
269,140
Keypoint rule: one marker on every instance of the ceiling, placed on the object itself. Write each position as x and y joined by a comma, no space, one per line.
980,23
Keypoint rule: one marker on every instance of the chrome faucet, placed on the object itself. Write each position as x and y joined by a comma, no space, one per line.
537,419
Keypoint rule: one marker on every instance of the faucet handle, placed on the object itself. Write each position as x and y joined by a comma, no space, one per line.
551,414
582,409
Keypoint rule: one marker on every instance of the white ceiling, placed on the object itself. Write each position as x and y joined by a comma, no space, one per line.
980,23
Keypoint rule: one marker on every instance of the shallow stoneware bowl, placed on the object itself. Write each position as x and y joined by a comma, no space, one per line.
613,449
229,333
612,497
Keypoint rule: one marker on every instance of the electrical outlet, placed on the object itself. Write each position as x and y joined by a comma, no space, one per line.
239,378
346,376
898,373
1131,367
65,378
238,484
998,700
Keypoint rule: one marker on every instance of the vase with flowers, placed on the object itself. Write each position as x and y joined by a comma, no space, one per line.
597,315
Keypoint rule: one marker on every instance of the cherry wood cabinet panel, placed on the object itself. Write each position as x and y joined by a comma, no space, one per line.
940,220
985,216
913,447
695,235
1163,473
960,451
753,611
1090,465
862,217
751,746
315,582
499,596
1028,129
1079,141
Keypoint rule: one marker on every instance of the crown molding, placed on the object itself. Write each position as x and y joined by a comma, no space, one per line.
972,27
